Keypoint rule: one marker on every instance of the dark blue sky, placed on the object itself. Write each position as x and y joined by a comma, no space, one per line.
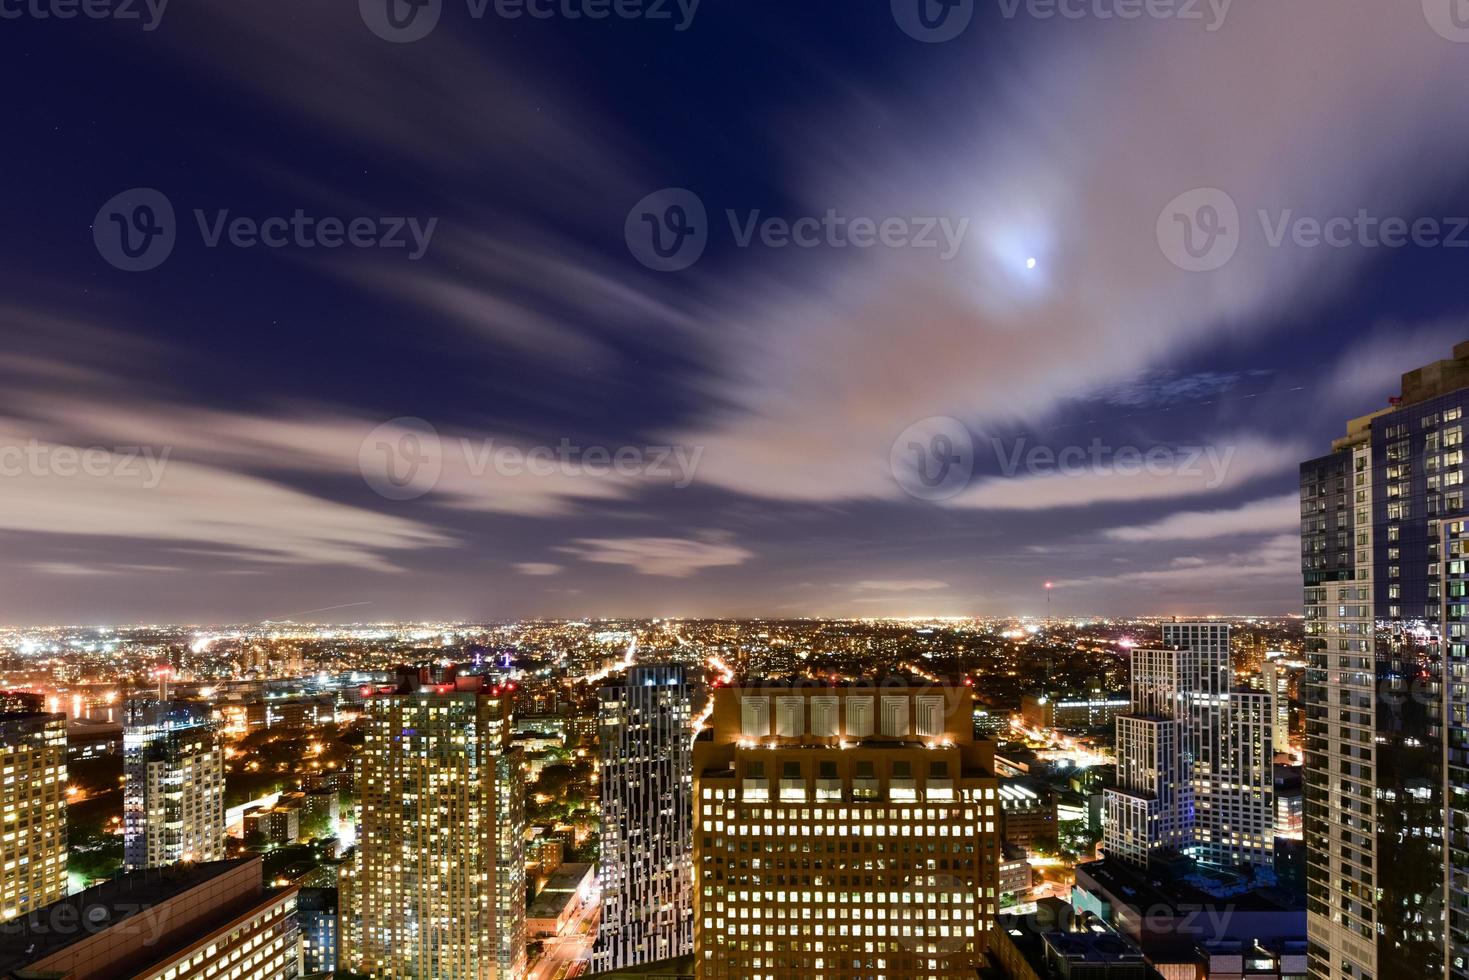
1023,282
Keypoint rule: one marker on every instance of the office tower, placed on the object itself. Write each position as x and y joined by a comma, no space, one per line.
843,832
173,801
1384,778
440,878
184,922
33,808
1194,758
647,825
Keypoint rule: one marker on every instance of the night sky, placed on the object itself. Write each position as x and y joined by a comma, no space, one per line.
1020,239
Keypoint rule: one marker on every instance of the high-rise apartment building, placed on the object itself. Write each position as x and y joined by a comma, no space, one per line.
173,797
33,811
439,884
1194,758
647,821
1385,785
843,832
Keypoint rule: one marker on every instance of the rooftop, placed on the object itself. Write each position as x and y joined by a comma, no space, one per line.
26,940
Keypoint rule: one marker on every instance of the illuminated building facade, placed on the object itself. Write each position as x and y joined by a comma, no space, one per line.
1386,787
843,833
439,886
647,824
173,801
1195,758
33,811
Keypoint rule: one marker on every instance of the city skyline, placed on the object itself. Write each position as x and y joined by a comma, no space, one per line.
732,438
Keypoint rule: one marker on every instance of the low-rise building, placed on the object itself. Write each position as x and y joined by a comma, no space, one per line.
558,903
1028,812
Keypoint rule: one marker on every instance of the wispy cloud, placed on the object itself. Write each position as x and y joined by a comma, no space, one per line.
1258,517
538,568
899,585
1219,467
666,557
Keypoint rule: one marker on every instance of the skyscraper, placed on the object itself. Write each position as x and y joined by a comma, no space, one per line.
1385,714
173,800
843,832
440,879
647,824
33,808
1194,758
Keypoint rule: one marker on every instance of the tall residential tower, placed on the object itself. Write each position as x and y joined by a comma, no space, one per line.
439,883
173,799
1382,523
1194,758
647,824
33,807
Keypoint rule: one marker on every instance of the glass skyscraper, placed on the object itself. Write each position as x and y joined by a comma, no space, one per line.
1384,778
